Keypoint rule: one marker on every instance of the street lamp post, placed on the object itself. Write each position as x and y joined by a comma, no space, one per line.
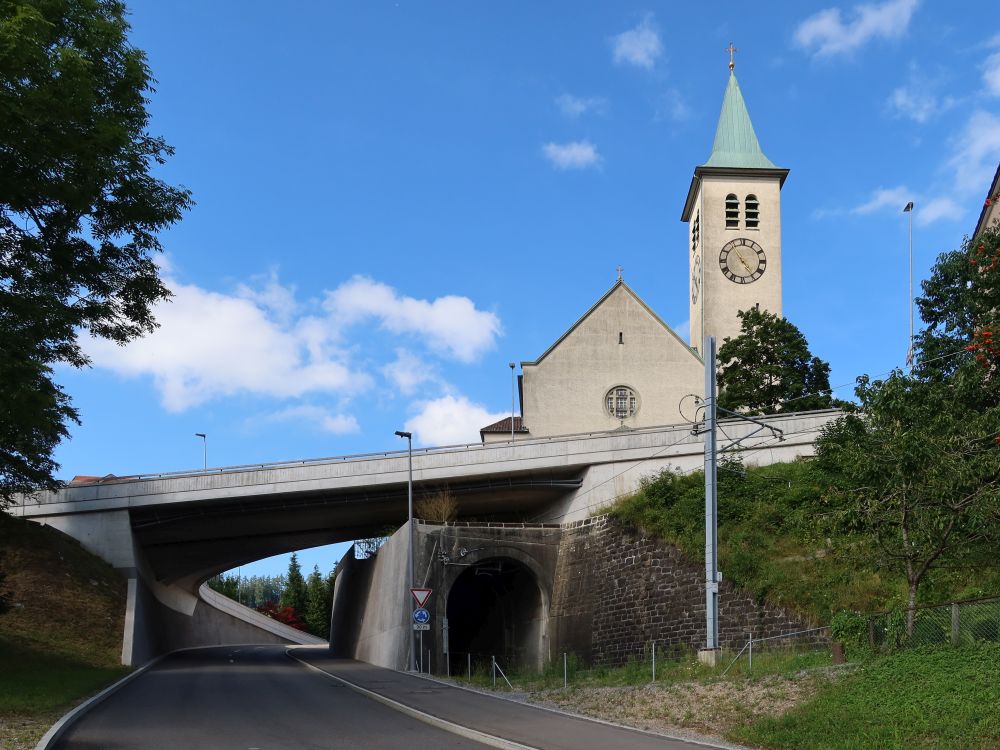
908,210
204,442
511,365
409,517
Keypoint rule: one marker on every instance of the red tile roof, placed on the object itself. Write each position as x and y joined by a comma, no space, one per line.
504,426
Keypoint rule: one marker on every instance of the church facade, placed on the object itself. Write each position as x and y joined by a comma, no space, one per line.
620,366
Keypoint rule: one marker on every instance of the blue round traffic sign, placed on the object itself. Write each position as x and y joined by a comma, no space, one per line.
420,616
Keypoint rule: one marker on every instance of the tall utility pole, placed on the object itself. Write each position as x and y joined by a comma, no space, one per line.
409,516
908,210
204,441
711,507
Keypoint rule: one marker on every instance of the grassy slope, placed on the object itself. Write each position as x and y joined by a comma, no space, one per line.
934,697
768,542
61,641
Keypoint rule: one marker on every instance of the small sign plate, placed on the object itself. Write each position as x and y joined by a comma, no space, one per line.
420,596
421,626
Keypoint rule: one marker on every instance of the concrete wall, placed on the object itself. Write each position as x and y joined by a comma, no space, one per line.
370,620
604,593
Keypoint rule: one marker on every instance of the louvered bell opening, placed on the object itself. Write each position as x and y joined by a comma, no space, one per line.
732,212
752,212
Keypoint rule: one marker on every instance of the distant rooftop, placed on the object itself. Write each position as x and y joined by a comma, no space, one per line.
504,426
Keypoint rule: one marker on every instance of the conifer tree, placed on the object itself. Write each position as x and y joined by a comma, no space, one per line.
294,593
317,613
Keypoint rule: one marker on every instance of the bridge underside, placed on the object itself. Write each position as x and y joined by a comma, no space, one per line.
192,543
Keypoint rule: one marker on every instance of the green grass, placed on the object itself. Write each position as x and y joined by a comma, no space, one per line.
931,697
61,639
770,543
34,681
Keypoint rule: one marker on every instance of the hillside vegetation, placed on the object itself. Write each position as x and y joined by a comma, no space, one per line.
61,638
771,541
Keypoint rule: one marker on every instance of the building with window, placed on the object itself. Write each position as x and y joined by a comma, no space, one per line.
620,366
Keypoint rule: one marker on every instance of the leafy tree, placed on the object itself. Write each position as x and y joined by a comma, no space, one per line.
914,477
225,585
286,615
961,306
294,593
317,613
768,368
80,212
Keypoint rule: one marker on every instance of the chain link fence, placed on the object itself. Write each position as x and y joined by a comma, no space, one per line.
958,623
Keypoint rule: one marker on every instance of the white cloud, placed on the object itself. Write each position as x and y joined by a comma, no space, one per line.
885,198
261,341
408,371
324,419
975,153
991,73
210,345
937,209
449,324
574,155
574,106
640,46
450,420
825,33
671,106
917,103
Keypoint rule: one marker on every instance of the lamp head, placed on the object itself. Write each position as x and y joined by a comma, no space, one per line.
400,433
908,207
200,434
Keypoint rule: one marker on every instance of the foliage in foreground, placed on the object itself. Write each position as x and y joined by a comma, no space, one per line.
936,697
771,544
81,211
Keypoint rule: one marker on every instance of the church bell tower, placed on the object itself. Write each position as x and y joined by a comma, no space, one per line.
733,212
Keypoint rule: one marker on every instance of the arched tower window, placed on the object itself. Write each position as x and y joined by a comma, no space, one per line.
732,212
695,232
752,212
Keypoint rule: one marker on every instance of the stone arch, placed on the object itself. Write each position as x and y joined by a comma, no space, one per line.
498,605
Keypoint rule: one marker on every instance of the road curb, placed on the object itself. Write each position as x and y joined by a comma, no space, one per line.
435,721
57,730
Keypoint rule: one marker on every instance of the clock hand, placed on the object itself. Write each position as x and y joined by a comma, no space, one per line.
745,264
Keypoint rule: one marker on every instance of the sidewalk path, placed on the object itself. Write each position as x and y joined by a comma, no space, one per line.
510,720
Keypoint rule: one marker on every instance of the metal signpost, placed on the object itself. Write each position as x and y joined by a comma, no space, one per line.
421,620
711,505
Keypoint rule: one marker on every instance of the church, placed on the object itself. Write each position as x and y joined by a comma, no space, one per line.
620,366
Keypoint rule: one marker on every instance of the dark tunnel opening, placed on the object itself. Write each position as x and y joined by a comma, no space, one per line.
495,609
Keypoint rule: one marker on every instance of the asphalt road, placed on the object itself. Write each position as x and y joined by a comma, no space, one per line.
247,698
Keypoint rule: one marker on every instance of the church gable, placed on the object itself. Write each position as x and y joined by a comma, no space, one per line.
620,365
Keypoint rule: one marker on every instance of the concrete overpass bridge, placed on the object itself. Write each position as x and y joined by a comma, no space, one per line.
170,532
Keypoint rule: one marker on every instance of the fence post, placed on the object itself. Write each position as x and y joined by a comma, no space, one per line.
469,655
654,660
493,663
565,672
955,624
750,668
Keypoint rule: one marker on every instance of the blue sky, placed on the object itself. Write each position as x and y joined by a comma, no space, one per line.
396,199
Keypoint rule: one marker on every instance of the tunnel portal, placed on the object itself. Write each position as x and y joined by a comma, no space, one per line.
495,608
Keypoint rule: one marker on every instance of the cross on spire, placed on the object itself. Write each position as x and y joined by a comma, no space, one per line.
619,269
732,55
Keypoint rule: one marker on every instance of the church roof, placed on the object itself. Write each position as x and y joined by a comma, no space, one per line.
736,142
620,284
503,426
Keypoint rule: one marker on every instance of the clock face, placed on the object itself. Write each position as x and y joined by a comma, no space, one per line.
742,261
695,279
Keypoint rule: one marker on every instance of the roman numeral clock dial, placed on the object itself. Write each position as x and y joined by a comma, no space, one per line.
742,261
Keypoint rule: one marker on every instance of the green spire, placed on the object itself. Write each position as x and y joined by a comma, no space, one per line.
735,142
